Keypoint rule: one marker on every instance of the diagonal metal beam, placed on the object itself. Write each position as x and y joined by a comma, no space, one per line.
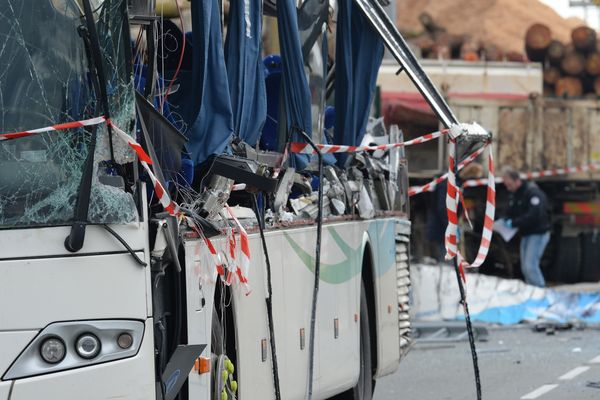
396,44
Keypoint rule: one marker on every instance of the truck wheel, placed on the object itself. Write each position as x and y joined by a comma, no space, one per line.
365,385
568,260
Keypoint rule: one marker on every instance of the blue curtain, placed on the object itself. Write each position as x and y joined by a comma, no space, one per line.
203,100
245,69
359,52
295,87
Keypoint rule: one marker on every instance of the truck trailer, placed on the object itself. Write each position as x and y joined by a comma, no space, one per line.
554,141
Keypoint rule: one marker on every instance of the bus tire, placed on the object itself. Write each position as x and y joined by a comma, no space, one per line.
365,385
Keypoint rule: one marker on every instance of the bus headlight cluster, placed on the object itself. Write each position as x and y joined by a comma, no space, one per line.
67,345
53,350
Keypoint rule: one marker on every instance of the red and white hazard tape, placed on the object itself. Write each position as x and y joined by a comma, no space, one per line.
431,185
243,267
169,205
539,174
58,127
304,148
452,199
163,196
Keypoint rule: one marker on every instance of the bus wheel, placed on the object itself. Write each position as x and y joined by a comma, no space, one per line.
364,387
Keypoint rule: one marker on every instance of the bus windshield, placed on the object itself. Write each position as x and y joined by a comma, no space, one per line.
45,80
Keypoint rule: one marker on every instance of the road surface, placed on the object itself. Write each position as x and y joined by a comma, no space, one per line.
515,363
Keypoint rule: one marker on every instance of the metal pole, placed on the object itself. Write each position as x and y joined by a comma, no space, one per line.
463,298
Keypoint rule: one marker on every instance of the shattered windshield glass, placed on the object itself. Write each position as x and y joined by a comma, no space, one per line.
45,80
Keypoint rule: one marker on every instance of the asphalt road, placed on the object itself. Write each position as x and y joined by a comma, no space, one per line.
515,363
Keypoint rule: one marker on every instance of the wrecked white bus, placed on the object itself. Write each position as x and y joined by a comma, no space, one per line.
158,238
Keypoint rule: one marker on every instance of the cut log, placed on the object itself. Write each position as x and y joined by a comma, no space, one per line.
429,24
451,41
551,75
568,86
424,42
470,56
573,64
492,53
469,50
584,39
440,52
556,52
537,41
514,56
592,64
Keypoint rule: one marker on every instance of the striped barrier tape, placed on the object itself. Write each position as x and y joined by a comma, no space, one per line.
452,199
304,148
163,196
539,174
243,267
170,206
57,127
414,190
173,208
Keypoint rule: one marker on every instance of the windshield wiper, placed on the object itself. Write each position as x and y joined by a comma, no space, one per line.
74,242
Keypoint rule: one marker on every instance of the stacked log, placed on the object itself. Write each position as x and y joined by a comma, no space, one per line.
570,69
537,40
435,42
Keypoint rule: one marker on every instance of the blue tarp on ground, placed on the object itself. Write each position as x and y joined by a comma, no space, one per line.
359,52
245,69
491,299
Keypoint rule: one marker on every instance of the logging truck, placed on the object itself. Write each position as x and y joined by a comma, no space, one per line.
531,133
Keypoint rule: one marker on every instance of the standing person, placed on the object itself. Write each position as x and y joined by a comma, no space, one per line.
528,211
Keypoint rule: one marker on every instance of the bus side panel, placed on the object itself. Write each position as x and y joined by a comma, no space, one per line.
255,374
382,234
337,362
201,277
338,304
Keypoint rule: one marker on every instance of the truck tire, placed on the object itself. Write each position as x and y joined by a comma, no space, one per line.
568,260
590,254
365,385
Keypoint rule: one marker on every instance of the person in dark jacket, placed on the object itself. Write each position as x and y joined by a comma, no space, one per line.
528,211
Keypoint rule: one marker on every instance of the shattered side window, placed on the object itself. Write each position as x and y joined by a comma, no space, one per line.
45,80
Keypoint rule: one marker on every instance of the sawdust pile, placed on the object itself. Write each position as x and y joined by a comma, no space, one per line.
499,22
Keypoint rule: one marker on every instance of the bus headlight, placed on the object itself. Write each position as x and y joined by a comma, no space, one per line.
87,346
53,350
66,345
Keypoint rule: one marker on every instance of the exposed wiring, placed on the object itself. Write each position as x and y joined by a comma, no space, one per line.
164,99
124,243
313,311
268,299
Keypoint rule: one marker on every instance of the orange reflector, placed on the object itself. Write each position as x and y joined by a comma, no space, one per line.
355,317
202,365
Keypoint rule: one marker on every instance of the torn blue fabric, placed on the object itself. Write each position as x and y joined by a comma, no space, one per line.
296,95
203,101
359,51
245,69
